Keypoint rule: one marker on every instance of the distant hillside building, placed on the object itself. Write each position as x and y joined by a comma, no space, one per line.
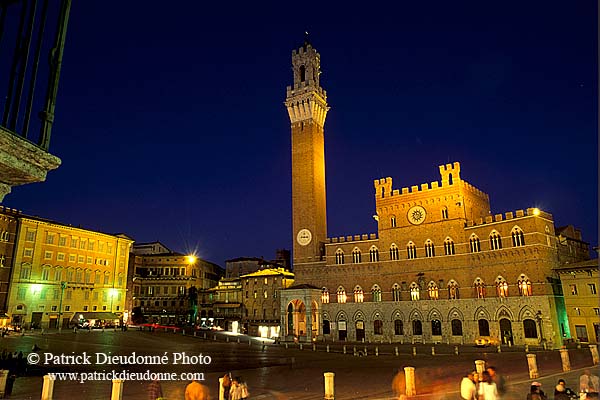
237,267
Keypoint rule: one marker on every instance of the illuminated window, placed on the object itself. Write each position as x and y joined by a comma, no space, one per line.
429,249
518,238
339,256
573,289
393,222
394,253
411,249
475,245
524,286
433,291
479,288
396,292
444,213
359,295
356,256
495,241
373,254
341,295
50,238
325,295
501,287
376,292
453,290
25,272
449,247
414,291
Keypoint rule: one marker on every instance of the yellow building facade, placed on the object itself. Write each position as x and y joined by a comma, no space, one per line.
63,275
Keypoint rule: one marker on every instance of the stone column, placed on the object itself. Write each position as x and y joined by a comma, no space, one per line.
308,319
480,366
594,351
117,389
3,379
48,388
532,363
409,376
564,357
329,386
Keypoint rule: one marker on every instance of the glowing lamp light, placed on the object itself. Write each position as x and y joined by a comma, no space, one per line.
191,259
113,292
536,211
36,288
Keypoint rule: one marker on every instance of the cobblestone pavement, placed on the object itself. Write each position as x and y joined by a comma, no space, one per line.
275,372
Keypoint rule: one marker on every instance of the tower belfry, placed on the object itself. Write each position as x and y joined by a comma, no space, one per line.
307,107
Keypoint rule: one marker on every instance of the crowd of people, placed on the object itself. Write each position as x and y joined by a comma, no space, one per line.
234,388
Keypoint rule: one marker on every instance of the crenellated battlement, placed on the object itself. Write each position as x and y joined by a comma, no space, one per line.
490,219
8,210
353,238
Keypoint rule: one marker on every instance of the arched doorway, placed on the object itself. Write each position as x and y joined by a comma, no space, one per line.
296,318
360,331
506,331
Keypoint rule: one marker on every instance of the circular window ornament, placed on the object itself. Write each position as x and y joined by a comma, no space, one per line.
416,215
304,237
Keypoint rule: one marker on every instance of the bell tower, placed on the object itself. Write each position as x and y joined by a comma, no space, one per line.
306,103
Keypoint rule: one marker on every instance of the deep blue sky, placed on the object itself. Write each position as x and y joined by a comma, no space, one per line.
170,120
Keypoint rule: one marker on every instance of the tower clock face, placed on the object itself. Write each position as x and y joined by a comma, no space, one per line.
304,237
416,215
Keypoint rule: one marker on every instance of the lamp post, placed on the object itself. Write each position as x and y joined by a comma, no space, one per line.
538,318
63,286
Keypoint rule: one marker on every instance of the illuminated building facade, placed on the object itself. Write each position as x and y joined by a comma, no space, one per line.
441,267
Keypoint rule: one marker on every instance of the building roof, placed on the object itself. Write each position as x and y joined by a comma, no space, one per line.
303,286
587,264
270,272
245,259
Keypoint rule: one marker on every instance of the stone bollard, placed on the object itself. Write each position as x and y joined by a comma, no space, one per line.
479,366
545,345
526,348
409,377
215,338
300,346
499,349
314,347
366,354
328,348
433,350
286,346
204,335
376,351
329,386
238,340
221,389
226,340
183,332
566,362
578,344
249,342
3,379
117,389
456,350
396,350
532,363
344,348
594,351
355,352
48,388
414,351
195,333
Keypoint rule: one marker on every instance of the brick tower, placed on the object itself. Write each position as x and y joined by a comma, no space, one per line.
306,103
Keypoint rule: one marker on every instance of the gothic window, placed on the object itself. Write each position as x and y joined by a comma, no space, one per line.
359,295
444,213
376,292
475,244
393,221
356,256
394,253
414,291
378,327
398,327
339,256
373,254
433,291
326,327
529,329
429,249
417,327
436,327
524,286
479,288
484,327
518,238
341,295
453,290
449,247
325,295
456,327
411,249
495,241
501,287
396,292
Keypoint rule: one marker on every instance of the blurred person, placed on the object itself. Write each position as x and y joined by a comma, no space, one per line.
468,388
154,390
536,393
235,393
562,392
589,383
196,391
487,389
226,385
498,380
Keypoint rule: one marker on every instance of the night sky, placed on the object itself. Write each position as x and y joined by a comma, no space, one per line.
171,126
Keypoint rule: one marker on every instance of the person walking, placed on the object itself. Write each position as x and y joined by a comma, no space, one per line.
589,383
562,392
487,388
196,391
226,382
536,392
468,389
498,380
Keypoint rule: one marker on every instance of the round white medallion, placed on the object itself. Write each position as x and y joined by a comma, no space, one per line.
416,215
304,237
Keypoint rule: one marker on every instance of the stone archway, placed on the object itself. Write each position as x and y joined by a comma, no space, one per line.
506,334
296,318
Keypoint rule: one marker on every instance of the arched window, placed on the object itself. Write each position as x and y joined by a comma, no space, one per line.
341,295
411,249
396,292
529,329
339,256
524,286
436,327
414,291
518,238
378,327
376,292
393,221
495,241
326,327
359,295
356,256
444,212
373,254
475,244
433,291
501,287
429,249
484,327
456,327
453,290
417,327
398,327
449,247
479,288
394,253
325,295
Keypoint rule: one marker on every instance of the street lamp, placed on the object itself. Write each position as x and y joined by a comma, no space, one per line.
63,286
538,318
